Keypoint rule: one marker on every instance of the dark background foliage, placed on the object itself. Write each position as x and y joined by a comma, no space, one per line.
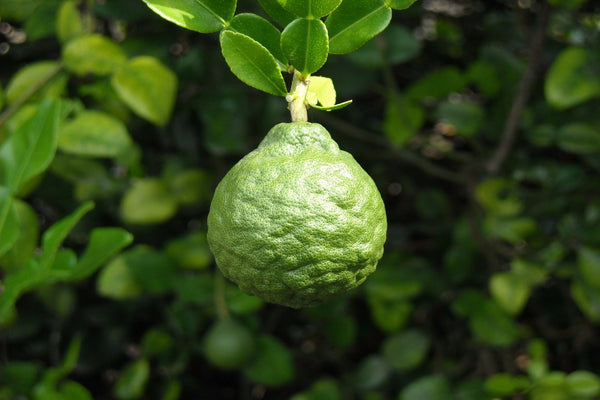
477,120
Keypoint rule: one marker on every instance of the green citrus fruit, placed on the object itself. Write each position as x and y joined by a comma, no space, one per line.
228,344
297,220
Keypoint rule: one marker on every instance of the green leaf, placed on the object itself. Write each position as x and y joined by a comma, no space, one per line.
94,134
509,291
262,31
584,384
191,187
492,325
573,78
148,87
252,63
433,387
19,376
496,196
277,12
398,44
30,149
93,54
273,365
513,230
371,372
406,350
323,389
465,117
310,8
116,281
147,202
401,4
133,380
403,119
27,239
152,269
504,384
579,138
587,299
305,44
355,22
9,221
322,91
204,16
42,77
68,21
156,341
190,251
437,84
74,391
2,97
588,261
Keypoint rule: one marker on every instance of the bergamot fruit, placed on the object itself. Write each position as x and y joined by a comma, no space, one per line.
297,221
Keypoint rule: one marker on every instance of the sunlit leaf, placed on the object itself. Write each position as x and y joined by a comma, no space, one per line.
93,54
310,8
260,30
305,44
203,16
148,201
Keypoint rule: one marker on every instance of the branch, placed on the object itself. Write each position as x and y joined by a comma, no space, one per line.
523,93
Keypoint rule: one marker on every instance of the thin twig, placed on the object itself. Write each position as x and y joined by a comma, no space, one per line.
523,93
33,89
403,154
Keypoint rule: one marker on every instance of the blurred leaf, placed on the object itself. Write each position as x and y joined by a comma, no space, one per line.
313,9
551,387
570,4
152,269
464,116
19,376
584,384
406,350
40,23
27,239
579,138
589,265
503,384
273,364
90,177
573,78
513,230
172,391
490,323
148,87
148,202
93,54
9,221
341,330
397,44
31,148
191,187
305,44
355,22
241,303
323,389
252,63
2,99
190,251
262,31
74,391
194,288
433,387
484,74
403,119
133,379
389,316
68,22
401,4
277,12
116,281
587,299
52,376
204,16
371,373
509,291
94,134
156,341
437,84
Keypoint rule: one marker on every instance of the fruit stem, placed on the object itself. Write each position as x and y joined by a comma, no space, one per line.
297,97
220,301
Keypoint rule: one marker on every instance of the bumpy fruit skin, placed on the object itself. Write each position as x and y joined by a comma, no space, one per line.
297,221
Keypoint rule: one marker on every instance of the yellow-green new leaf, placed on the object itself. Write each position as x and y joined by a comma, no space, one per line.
148,87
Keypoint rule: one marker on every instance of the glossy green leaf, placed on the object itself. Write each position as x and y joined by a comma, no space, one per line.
403,119
148,87
9,221
27,239
277,12
573,77
355,22
148,201
273,365
588,261
509,291
465,117
579,138
401,4
584,384
68,21
94,134
30,149
406,350
310,8
305,44
433,387
133,380
252,63
190,251
93,54
116,281
204,16
262,31
43,78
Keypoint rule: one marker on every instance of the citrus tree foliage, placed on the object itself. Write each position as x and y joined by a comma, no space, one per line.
478,121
